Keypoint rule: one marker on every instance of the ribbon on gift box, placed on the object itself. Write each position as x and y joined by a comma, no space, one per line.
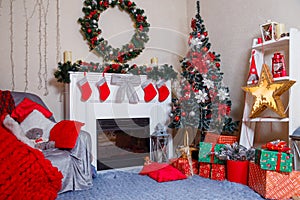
277,145
212,153
126,85
278,161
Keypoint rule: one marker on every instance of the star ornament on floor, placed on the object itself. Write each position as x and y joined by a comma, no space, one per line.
267,93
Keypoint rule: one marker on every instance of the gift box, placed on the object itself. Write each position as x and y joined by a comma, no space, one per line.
227,139
207,153
212,171
272,184
182,164
220,139
274,160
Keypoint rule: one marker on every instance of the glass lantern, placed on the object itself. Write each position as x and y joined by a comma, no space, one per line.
159,144
278,66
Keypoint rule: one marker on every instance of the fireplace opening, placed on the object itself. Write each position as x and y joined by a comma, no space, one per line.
122,142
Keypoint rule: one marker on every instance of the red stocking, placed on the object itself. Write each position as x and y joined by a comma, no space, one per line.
85,89
149,91
163,91
103,89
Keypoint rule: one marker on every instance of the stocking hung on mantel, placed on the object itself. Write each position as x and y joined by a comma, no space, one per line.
85,88
103,89
163,91
149,90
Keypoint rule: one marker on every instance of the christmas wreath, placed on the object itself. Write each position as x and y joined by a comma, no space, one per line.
91,31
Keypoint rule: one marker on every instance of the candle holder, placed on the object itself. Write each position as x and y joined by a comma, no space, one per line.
159,144
268,31
278,65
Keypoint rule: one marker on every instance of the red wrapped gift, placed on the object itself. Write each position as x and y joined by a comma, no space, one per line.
212,170
273,184
220,139
227,139
182,164
204,169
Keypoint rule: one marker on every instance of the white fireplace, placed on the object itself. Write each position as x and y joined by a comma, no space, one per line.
93,109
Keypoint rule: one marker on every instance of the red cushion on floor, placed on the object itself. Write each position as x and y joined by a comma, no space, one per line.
154,166
162,172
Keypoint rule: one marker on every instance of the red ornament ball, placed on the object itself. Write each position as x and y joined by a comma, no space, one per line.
218,65
176,118
183,114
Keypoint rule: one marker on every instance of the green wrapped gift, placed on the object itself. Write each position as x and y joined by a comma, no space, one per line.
206,150
274,160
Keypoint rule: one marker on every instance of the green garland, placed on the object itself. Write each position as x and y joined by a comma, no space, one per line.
62,73
155,73
91,31
165,72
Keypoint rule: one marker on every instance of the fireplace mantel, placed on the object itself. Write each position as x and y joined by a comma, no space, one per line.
93,109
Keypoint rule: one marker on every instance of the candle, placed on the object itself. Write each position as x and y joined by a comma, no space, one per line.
280,29
154,61
67,56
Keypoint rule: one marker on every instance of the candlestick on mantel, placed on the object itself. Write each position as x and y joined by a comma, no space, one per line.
67,56
154,61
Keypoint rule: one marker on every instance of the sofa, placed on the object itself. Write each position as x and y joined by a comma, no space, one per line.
73,163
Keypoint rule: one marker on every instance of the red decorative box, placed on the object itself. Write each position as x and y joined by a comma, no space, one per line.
272,184
182,164
220,139
213,171
227,139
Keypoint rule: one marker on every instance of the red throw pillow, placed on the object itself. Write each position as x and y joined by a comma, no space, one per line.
154,166
65,133
163,172
24,108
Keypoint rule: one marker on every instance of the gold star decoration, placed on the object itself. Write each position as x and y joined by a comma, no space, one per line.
267,93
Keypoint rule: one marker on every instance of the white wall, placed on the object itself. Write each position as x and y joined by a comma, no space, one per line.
168,36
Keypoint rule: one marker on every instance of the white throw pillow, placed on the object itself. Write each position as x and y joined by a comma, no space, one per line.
16,129
37,120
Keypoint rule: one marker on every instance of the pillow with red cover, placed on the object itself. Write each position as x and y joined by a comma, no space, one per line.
24,108
65,133
162,172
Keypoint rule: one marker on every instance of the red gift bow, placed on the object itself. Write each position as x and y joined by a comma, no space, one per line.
277,145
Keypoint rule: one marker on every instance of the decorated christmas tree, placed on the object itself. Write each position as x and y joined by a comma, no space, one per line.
203,101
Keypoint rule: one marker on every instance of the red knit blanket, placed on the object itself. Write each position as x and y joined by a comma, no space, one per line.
25,173
7,103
